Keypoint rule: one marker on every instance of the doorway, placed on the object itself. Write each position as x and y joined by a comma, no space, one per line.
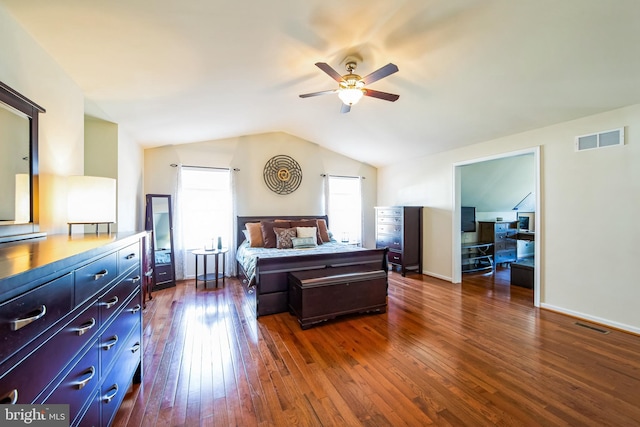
534,153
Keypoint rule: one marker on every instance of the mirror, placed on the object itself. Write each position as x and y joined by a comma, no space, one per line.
18,166
159,222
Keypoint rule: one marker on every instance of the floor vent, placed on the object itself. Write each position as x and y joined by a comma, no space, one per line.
593,328
607,138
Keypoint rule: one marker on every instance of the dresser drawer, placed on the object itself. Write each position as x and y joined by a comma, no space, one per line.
117,380
389,241
394,257
91,278
390,229
113,299
128,257
504,256
78,385
24,318
390,220
112,340
91,415
163,273
35,373
389,212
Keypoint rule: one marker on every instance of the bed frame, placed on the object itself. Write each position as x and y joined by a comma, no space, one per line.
269,292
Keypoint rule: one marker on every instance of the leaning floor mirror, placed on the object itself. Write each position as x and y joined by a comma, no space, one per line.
159,222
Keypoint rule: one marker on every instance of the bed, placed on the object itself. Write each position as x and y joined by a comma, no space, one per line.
265,272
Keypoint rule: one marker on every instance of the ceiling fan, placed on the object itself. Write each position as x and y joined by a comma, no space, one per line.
352,87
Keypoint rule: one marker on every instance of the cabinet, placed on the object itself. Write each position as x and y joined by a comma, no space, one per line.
503,236
477,257
399,228
71,323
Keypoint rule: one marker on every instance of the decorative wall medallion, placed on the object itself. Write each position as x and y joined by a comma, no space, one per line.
282,174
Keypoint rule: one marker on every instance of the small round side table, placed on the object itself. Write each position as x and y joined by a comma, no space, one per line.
210,277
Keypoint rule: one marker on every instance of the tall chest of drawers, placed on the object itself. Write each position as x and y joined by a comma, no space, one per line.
503,236
400,229
71,323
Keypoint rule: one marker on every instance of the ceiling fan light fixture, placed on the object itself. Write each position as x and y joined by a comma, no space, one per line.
350,96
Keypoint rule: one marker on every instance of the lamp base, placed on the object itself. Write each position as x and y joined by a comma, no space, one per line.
97,224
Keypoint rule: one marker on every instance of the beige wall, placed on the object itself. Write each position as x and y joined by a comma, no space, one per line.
589,204
27,68
249,154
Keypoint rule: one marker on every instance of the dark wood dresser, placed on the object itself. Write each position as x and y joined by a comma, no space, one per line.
399,228
503,236
71,323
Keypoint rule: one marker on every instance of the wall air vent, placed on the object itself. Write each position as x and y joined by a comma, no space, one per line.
607,138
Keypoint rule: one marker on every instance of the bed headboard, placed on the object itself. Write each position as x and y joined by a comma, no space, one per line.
242,220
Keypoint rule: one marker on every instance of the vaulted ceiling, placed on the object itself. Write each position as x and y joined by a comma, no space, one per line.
172,72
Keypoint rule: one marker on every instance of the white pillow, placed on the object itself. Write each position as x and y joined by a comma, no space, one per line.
307,232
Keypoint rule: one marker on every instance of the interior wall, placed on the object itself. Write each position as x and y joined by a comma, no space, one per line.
27,68
249,154
589,200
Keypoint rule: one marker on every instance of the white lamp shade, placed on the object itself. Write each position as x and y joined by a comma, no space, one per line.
23,199
91,199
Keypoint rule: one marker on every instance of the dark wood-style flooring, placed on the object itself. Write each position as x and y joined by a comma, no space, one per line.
476,354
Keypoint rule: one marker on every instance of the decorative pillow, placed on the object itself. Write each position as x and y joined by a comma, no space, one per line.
322,230
303,242
247,236
307,232
255,234
268,236
308,223
283,237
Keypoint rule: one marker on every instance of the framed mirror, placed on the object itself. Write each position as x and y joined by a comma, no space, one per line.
159,221
18,166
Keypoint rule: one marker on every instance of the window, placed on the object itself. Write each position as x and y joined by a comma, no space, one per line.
206,207
344,200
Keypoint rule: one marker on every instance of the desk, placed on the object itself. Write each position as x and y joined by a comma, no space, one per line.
207,277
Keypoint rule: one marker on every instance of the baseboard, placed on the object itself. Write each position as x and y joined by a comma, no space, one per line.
438,276
593,319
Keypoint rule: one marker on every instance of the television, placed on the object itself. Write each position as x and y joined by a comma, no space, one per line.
468,219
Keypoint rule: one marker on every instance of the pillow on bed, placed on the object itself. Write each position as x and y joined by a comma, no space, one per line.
307,232
308,223
283,237
268,236
322,230
304,242
255,234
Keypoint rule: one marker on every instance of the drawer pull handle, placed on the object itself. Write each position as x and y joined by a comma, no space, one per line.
91,372
130,256
86,326
136,309
10,398
21,323
101,274
111,393
109,344
135,279
113,301
135,347
162,273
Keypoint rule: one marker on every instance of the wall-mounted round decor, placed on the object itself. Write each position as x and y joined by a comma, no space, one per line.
282,174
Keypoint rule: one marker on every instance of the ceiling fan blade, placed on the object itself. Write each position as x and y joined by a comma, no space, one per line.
323,92
345,108
380,73
330,71
381,95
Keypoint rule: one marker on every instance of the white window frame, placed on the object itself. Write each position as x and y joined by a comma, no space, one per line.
344,208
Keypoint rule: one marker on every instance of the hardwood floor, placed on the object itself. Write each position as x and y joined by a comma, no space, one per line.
476,354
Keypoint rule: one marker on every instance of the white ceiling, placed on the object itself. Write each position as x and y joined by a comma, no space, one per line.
171,72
